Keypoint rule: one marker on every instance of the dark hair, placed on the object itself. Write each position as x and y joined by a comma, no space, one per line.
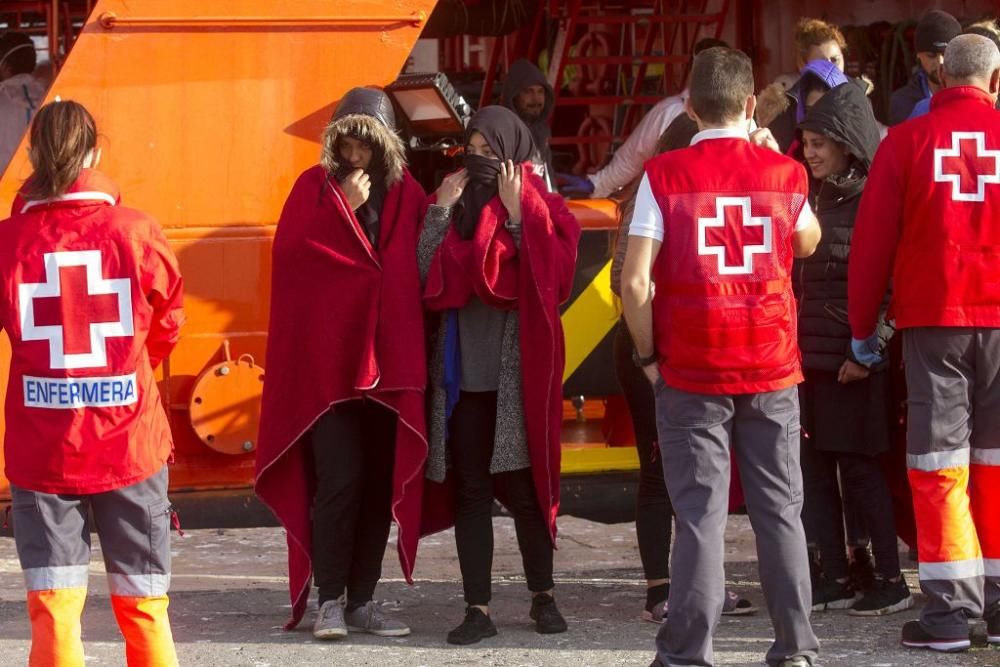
721,82
62,133
21,61
706,43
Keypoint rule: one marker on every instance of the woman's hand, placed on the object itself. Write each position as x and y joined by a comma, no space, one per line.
509,188
850,371
356,187
451,188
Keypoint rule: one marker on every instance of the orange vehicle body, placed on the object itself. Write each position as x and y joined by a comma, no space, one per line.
209,110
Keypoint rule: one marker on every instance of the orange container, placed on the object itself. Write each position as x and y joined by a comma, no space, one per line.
208,111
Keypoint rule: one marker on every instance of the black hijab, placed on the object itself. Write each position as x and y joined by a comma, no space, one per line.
510,139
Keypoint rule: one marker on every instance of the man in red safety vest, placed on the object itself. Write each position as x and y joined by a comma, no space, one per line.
715,227
930,216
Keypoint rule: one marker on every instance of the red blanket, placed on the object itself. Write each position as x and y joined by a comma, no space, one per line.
533,280
346,322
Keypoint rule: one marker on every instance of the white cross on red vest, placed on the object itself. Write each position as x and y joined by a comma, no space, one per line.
734,239
76,309
968,165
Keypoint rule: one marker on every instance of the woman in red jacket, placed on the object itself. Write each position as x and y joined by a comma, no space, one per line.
92,302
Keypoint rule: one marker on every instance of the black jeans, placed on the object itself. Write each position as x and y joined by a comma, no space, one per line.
653,512
354,445
861,477
470,443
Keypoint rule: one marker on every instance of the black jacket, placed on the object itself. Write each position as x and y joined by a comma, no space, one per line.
844,115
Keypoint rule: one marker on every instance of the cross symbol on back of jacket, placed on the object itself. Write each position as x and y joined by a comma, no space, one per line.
968,165
76,309
734,235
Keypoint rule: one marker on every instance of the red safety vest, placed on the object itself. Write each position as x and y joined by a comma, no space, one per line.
723,311
90,296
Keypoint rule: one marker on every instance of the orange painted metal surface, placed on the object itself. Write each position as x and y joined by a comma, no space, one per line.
225,404
208,111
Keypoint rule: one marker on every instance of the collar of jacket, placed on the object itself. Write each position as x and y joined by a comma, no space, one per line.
91,187
959,93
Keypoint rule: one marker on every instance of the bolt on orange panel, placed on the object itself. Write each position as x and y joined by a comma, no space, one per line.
208,110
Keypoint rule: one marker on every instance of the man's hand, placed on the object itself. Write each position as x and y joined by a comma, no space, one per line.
867,352
652,373
509,188
850,371
574,186
356,188
763,137
451,188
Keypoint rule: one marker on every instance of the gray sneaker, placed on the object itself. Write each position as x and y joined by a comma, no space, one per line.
372,620
330,621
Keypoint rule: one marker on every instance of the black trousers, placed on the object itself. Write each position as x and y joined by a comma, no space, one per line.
470,443
862,479
354,445
653,512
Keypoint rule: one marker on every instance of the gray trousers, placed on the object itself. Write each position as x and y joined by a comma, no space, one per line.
953,457
696,434
52,536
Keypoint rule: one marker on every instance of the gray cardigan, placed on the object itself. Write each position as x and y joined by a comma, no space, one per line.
510,444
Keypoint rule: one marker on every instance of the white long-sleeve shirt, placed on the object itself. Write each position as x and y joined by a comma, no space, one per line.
626,163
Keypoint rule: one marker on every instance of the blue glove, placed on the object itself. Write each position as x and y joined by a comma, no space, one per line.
574,185
867,352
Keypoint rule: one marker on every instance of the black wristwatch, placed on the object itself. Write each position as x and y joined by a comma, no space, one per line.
642,362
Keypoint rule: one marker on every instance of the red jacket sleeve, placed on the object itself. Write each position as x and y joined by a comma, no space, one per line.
165,292
877,229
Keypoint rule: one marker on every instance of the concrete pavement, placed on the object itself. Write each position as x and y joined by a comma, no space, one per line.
229,601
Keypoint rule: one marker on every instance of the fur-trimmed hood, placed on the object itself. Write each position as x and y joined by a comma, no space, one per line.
366,114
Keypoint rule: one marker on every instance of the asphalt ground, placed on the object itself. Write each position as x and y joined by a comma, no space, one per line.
229,601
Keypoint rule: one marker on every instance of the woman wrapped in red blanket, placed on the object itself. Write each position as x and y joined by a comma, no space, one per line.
497,252
342,432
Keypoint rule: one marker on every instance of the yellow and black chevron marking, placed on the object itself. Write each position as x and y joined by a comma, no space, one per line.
589,319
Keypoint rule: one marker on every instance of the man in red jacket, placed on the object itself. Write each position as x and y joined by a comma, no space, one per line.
717,338
931,216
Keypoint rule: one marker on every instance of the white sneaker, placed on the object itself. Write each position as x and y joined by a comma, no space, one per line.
330,620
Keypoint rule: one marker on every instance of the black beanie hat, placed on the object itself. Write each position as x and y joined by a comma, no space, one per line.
935,30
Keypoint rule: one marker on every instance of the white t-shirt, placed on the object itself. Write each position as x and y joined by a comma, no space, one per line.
647,218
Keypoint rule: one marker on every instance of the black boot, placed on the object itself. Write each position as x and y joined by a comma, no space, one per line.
545,614
476,627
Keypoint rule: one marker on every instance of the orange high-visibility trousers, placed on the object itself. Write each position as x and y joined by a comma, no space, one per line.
52,535
953,460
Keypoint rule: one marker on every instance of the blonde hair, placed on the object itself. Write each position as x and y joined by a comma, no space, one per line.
62,134
816,32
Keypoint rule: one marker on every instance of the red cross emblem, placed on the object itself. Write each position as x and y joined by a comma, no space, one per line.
967,165
76,309
734,236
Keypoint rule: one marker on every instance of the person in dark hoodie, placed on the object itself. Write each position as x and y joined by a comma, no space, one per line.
815,78
933,33
342,440
497,253
844,404
527,93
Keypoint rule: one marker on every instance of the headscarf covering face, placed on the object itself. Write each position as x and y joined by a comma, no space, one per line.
509,139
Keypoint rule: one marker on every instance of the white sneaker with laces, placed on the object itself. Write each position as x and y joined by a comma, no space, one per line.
330,620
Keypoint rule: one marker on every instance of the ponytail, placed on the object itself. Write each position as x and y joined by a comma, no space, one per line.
62,134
